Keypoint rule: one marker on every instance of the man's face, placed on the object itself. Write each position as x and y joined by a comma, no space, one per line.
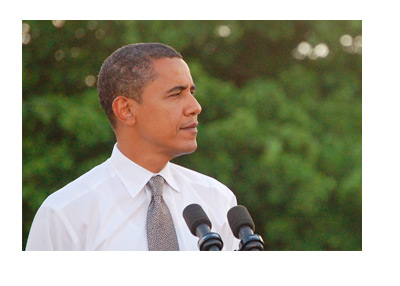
166,119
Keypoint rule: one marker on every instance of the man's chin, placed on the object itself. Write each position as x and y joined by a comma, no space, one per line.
187,150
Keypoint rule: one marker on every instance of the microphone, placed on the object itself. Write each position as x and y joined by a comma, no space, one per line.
242,226
200,226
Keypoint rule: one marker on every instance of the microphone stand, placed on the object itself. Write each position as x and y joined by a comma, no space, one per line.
250,241
209,241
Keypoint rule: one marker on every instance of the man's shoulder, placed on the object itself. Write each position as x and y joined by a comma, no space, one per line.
86,184
194,176
201,180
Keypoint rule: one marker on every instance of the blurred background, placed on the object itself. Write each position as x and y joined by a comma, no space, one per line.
280,126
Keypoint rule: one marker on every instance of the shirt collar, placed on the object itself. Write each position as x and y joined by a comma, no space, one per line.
135,177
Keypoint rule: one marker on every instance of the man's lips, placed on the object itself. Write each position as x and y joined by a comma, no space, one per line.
192,126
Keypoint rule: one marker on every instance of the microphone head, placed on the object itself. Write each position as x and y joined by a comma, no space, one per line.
239,216
194,216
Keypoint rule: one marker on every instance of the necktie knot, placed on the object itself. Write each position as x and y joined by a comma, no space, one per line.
156,185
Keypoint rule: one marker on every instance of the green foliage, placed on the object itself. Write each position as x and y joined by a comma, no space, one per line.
283,133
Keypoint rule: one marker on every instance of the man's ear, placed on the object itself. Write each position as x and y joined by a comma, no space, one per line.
124,110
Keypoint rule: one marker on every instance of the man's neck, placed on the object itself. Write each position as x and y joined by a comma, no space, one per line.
150,161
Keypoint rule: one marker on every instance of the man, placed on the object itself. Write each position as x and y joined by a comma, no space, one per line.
135,200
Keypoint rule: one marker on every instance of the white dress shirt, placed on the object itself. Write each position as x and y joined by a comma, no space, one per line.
106,208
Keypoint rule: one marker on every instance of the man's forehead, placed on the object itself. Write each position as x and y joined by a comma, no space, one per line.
170,63
174,69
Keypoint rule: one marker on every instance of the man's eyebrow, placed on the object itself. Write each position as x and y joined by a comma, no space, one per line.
181,87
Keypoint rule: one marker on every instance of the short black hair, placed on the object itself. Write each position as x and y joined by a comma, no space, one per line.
127,71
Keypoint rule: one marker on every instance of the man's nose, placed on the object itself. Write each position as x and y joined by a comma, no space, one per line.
193,106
